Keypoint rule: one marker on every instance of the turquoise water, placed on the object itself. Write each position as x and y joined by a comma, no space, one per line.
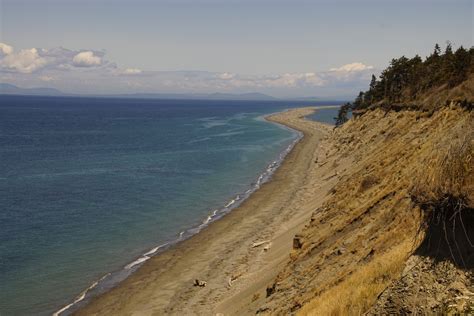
90,185
325,115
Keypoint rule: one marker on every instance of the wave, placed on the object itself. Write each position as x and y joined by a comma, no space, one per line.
147,255
81,296
230,203
209,217
112,279
154,250
138,261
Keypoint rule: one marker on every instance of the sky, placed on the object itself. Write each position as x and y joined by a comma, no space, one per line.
285,48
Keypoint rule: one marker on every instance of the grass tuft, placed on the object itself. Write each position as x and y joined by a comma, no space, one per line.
444,190
358,292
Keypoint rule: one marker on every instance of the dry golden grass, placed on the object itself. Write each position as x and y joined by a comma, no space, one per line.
449,170
358,292
370,213
444,190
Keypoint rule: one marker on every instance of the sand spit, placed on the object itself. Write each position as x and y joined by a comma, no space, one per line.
335,232
225,254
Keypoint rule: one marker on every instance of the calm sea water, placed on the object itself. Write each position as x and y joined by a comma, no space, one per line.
89,185
325,115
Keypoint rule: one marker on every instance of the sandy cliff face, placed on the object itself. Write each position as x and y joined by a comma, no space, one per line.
362,246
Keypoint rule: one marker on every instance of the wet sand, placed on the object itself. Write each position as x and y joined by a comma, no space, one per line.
226,254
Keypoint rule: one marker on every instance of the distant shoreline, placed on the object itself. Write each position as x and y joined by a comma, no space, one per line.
176,268
109,280
11,90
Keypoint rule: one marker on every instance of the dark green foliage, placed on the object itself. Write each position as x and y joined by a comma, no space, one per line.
359,102
404,80
437,50
459,67
342,114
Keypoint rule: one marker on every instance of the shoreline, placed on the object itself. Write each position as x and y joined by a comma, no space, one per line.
217,231
112,279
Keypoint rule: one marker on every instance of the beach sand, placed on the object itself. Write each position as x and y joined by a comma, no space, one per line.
227,254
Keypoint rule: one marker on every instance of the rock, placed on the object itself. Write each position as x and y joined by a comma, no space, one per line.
340,251
271,289
262,310
297,242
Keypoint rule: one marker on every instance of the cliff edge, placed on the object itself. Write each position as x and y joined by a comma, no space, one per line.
396,233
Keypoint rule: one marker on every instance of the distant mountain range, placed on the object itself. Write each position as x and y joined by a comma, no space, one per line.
6,88
198,96
10,89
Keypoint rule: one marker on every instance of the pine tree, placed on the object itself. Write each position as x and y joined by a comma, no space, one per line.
369,95
373,82
404,80
460,67
359,101
449,48
342,114
437,50
416,74
448,64
432,65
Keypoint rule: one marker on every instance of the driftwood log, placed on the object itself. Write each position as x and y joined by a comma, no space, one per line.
200,283
259,243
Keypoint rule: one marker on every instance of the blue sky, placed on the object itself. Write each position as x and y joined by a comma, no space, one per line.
283,48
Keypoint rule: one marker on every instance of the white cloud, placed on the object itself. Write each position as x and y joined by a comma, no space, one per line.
5,49
295,80
132,71
86,59
46,78
226,76
25,61
353,67
229,81
39,59
80,71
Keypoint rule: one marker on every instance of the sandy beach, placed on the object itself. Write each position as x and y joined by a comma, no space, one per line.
239,255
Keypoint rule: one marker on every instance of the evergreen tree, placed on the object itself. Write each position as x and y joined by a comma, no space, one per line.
448,66
405,79
460,67
369,95
432,65
342,114
437,50
359,101
449,49
373,82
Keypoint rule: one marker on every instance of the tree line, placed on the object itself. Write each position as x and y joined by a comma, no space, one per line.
405,80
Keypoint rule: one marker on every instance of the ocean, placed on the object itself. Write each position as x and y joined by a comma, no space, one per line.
90,188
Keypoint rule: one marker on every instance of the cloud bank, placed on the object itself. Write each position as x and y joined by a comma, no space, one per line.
88,71
353,67
86,59
34,60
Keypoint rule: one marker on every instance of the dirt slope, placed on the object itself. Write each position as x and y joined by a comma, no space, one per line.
359,241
